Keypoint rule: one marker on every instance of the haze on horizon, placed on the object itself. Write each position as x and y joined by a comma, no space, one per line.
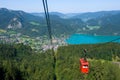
63,6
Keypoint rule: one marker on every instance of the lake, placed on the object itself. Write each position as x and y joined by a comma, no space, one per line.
90,39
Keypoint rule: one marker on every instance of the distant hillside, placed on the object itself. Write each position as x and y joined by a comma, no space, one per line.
61,15
93,15
34,24
84,16
109,25
31,25
19,21
51,13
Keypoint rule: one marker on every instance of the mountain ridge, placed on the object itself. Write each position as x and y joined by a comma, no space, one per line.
79,15
32,25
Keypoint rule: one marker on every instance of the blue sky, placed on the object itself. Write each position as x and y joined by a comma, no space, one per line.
64,6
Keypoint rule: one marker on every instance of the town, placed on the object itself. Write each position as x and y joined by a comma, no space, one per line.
41,43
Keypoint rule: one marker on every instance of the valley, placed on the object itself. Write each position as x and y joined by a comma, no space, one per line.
26,52
31,29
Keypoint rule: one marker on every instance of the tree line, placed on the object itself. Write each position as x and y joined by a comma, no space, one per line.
20,62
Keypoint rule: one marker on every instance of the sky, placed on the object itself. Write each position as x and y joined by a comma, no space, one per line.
64,6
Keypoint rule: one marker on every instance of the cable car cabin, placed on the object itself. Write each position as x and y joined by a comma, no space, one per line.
84,66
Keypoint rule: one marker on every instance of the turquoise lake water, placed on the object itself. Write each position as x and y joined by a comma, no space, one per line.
90,39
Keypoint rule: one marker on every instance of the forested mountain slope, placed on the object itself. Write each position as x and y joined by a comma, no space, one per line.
34,26
109,24
100,23
19,62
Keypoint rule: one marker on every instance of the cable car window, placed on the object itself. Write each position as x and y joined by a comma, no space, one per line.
85,66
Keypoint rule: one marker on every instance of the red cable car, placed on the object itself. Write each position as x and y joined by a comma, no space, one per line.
84,66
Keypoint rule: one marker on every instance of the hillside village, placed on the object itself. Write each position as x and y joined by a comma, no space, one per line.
36,43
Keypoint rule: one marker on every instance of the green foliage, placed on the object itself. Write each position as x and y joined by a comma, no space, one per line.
9,51
109,24
99,57
29,22
103,70
17,62
20,63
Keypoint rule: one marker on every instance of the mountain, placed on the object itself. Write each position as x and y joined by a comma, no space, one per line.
84,16
100,23
93,15
51,13
61,15
38,14
109,25
34,24
19,21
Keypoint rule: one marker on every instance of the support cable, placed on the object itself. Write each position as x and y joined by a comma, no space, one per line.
47,20
45,5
